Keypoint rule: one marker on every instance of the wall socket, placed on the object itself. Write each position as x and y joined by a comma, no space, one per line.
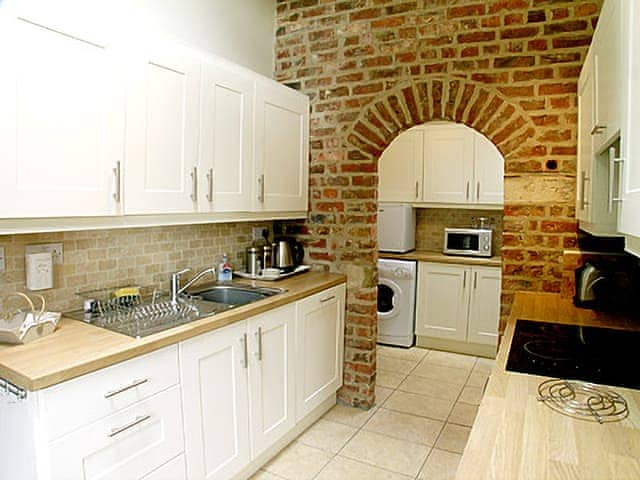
2,263
54,248
257,233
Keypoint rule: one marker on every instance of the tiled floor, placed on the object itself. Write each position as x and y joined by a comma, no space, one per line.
426,404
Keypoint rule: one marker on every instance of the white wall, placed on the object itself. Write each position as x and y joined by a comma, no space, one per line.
239,30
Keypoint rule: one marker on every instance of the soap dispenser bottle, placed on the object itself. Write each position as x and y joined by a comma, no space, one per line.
224,270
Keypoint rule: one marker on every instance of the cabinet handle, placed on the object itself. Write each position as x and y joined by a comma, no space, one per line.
478,191
328,299
467,197
259,338
124,428
597,129
583,180
210,183
134,384
464,280
417,186
613,162
475,280
194,184
116,173
245,351
261,188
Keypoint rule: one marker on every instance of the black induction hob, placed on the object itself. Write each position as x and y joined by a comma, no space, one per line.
593,354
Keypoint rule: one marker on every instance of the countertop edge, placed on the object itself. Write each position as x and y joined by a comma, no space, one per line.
439,257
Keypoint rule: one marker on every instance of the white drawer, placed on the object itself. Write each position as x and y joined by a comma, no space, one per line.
175,469
80,401
125,446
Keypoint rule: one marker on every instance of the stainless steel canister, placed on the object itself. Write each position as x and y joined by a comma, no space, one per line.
267,256
254,260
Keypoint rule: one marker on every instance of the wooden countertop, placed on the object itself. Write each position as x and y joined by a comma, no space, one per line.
77,348
517,437
439,257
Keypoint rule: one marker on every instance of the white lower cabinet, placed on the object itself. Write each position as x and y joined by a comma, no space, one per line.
175,469
458,303
320,321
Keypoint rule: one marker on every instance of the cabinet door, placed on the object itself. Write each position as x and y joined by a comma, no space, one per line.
488,172
215,395
608,47
281,148
448,164
272,376
629,220
400,169
62,117
320,334
586,122
484,305
163,99
442,301
126,445
226,136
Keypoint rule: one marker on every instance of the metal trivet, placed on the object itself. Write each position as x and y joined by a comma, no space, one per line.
583,400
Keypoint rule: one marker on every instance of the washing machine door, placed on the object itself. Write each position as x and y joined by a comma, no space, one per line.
389,299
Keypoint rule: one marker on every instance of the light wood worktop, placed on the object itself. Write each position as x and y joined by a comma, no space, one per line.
76,348
517,437
439,257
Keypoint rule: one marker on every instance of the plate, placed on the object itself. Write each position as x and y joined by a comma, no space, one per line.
271,278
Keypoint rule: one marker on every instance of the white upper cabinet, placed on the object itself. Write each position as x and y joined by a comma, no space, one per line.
586,122
62,116
488,172
281,148
226,139
448,164
400,169
163,99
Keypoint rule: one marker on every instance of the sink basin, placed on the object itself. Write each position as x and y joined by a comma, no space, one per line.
236,295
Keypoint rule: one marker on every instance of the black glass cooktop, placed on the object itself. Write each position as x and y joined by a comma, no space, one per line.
593,354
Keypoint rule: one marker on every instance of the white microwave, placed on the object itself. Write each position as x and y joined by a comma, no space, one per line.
396,228
473,242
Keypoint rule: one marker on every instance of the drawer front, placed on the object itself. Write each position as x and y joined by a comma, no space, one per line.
80,401
174,470
124,446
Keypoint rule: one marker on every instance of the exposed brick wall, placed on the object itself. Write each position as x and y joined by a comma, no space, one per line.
374,68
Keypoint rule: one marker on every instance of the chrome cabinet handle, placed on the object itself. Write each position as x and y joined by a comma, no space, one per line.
194,184
475,280
464,280
478,191
583,180
124,428
259,339
210,183
597,129
325,300
116,173
261,188
613,162
134,384
245,359
417,186
467,197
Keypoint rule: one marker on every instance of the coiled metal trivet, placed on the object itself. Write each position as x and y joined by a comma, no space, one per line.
583,400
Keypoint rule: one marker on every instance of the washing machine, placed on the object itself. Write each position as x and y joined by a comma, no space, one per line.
396,302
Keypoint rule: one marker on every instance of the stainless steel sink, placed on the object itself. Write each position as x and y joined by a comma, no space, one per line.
235,295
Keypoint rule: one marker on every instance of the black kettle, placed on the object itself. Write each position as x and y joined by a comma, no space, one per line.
287,253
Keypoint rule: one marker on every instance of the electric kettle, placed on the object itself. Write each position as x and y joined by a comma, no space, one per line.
287,253
587,277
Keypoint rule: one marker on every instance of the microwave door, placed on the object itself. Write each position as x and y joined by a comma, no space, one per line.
463,242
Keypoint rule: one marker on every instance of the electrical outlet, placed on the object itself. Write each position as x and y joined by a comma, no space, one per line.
2,263
54,248
256,233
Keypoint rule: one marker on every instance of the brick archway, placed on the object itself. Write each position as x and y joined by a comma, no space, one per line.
477,105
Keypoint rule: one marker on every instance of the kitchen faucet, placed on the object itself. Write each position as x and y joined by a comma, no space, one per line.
177,290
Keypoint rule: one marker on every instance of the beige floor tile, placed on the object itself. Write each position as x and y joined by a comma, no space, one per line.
434,408
389,379
404,426
484,365
477,379
326,435
431,387
453,438
382,393
298,462
386,452
439,372
463,414
414,354
440,465
472,395
448,359
264,475
395,365
341,468
355,417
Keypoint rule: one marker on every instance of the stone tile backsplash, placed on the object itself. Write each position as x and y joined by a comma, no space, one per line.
431,222
138,256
